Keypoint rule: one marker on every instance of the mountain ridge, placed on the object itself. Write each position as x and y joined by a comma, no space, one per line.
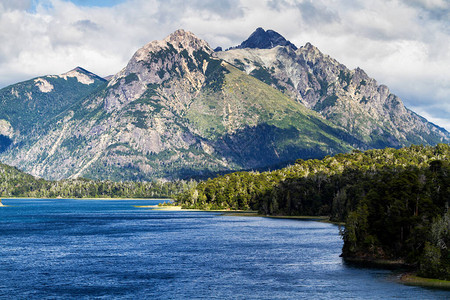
178,109
348,98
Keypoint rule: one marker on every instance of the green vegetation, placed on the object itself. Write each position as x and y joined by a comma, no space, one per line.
326,103
270,125
215,75
131,77
239,64
265,76
411,279
394,202
14,183
345,77
25,114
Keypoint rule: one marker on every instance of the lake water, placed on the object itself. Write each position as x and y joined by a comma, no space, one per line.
111,249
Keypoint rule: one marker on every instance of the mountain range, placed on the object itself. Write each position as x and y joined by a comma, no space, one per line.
180,109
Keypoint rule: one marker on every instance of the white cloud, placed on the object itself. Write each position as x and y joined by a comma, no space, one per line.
401,43
15,4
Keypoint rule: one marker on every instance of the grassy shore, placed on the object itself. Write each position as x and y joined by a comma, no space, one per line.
413,279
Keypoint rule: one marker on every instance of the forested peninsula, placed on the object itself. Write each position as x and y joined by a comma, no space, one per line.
394,202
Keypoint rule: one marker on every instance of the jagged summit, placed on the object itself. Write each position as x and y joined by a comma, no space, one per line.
179,55
263,39
310,47
179,40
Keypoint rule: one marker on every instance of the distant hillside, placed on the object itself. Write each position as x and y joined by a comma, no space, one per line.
15,183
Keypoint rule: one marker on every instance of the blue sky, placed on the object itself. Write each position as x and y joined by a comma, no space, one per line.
401,43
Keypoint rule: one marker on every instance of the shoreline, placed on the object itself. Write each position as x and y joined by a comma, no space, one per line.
252,213
163,207
414,280
406,278
102,198
243,213
390,264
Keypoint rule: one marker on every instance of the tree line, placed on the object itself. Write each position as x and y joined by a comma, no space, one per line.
14,183
394,202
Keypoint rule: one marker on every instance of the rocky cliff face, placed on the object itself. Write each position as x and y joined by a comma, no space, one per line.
175,111
348,98
180,55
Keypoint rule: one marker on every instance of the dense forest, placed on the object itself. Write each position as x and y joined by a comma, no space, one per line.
14,183
394,202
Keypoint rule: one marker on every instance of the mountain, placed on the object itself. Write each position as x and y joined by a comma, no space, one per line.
262,39
27,106
175,111
347,98
180,110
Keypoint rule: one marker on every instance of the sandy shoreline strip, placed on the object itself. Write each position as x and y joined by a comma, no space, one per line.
157,207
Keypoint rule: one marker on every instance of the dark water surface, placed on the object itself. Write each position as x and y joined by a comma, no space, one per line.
111,249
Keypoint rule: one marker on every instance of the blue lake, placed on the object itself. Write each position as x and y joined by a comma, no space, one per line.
110,249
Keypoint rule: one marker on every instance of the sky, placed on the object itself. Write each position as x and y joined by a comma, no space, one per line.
404,44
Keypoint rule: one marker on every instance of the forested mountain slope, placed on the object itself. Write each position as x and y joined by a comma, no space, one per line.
29,106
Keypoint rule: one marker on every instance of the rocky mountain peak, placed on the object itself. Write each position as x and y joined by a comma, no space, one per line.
310,50
312,54
310,47
263,39
82,75
348,98
81,70
180,56
181,39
